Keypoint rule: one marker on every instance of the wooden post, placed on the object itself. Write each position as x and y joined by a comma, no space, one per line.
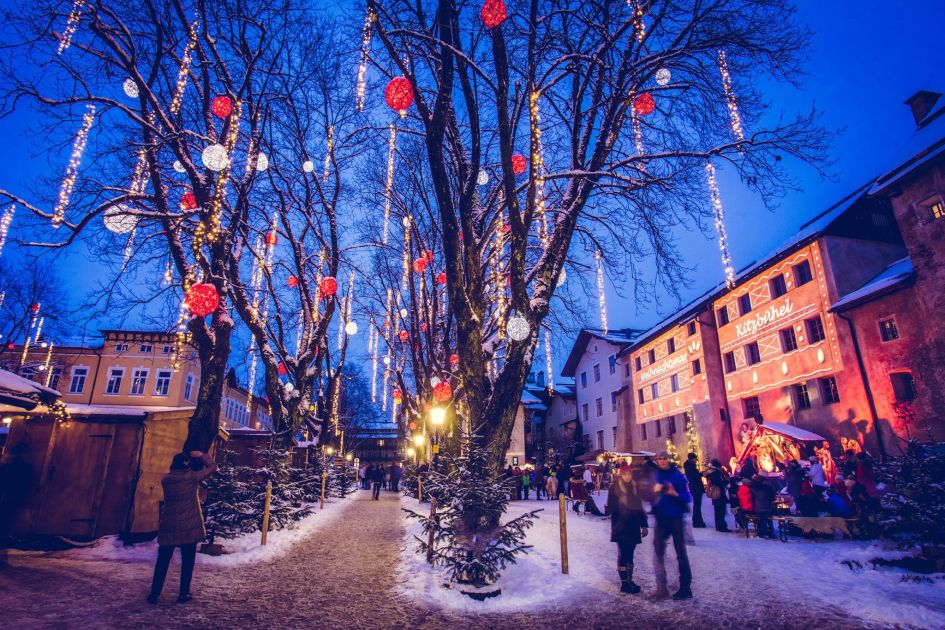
563,521
265,524
324,479
419,489
430,536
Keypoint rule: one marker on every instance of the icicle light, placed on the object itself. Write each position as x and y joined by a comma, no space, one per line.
372,349
5,225
39,330
730,98
720,224
72,170
538,161
75,14
365,53
184,70
26,344
601,295
47,369
548,363
329,148
639,26
389,185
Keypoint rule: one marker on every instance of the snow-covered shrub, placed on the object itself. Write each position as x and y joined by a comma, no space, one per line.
915,499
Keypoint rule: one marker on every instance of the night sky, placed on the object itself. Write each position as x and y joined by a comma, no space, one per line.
866,58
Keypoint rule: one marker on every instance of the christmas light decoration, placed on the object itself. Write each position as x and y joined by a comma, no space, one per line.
483,178
46,365
262,161
397,395
184,71
179,167
441,278
389,184
442,392
404,335
71,25
361,83
730,98
130,88
719,211
601,296
221,106
399,94
493,13
644,104
329,148
214,157
562,277
292,281
188,201
5,226
518,328
308,166
72,169
420,265
519,163
118,220
692,438
351,328
272,238
663,76
548,363
372,350
454,359
202,299
328,286
639,26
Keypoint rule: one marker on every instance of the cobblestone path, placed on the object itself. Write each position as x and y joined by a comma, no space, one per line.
342,576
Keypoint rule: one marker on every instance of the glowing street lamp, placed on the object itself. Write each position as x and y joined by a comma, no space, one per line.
418,439
410,451
437,416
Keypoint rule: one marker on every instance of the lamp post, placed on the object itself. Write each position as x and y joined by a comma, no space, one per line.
437,419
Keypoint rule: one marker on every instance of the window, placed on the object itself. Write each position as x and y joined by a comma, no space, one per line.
626,369
659,429
643,431
54,377
651,357
599,407
167,349
801,396
696,367
729,358
585,413
888,329
146,348
640,396
587,442
638,364
936,209
613,401
691,328
672,425
752,354
777,286
655,391
583,380
674,382
121,347
829,393
189,386
597,373
163,383
744,304
77,384
614,429
751,408
612,364
113,386
903,386
722,315
802,273
138,378
600,440
788,340
671,345
815,330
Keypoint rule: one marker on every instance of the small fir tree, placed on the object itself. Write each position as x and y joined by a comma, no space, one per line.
671,450
229,508
287,504
915,500
341,476
692,438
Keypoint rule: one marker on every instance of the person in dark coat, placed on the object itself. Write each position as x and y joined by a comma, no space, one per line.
717,478
377,479
564,479
579,494
748,470
794,480
181,522
396,472
762,496
694,477
670,504
628,524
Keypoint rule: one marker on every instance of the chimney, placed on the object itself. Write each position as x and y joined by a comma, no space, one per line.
921,103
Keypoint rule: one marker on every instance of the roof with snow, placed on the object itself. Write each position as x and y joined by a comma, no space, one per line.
530,400
791,431
926,144
621,338
894,277
23,393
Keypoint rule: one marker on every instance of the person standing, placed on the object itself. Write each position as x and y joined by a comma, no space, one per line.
718,482
526,478
396,472
551,485
628,524
694,477
670,504
181,522
377,479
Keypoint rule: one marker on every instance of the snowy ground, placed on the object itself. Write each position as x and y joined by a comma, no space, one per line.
759,578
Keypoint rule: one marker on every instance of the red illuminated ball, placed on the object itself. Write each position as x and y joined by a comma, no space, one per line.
399,94
202,299
519,163
644,104
221,106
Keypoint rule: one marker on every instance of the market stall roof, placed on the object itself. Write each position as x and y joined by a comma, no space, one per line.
791,431
590,456
23,393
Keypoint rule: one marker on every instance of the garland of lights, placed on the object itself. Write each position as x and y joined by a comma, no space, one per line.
601,297
720,224
551,378
46,365
539,162
72,169
5,225
389,184
362,66
75,14
330,147
639,26
730,98
372,349
26,344
184,70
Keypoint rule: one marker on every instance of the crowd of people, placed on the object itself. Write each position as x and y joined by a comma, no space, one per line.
375,477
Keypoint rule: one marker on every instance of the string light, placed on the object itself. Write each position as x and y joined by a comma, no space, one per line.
372,348
551,378
539,162
720,224
75,14
46,369
5,225
72,169
362,66
39,330
330,148
184,70
601,297
639,26
730,98
389,185
168,273
406,261
26,344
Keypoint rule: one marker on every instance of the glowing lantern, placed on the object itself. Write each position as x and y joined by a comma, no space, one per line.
272,238
281,369
214,157
397,396
351,328
518,328
519,163
441,278
292,281
188,201
179,167
328,286
404,313
663,76
262,161
221,106
404,335
454,359
442,392
644,104
117,220
420,265
399,94
493,13
202,299
130,88
11,346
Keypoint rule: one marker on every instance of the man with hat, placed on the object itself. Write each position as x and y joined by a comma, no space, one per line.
628,524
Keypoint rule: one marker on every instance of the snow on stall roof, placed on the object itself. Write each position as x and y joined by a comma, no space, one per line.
16,384
530,399
791,431
893,276
924,145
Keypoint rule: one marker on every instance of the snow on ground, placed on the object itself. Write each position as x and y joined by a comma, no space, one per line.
726,568
241,550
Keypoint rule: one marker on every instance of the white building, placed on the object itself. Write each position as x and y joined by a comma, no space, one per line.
599,377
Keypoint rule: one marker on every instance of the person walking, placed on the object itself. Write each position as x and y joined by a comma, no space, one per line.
526,482
377,479
670,504
181,522
551,485
717,479
396,472
694,477
628,526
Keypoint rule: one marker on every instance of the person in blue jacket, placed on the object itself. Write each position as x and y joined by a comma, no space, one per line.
671,499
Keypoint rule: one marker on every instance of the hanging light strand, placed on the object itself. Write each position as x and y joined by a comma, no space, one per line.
719,211
72,169
736,118
372,348
75,14
184,71
601,294
389,184
361,89
548,362
329,149
5,225
26,343
639,26
46,368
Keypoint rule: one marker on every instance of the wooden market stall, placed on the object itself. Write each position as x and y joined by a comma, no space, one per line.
772,443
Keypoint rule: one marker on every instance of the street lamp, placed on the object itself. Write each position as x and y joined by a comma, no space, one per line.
437,416
410,450
418,439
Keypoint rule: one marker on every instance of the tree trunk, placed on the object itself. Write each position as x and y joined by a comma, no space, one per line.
213,348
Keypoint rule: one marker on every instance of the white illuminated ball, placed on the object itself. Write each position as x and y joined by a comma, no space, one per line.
214,157
518,328
483,178
118,221
435,381
351,328
262,161
178,166
404,313
308,166
289,387
130,88
386,360
663,76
